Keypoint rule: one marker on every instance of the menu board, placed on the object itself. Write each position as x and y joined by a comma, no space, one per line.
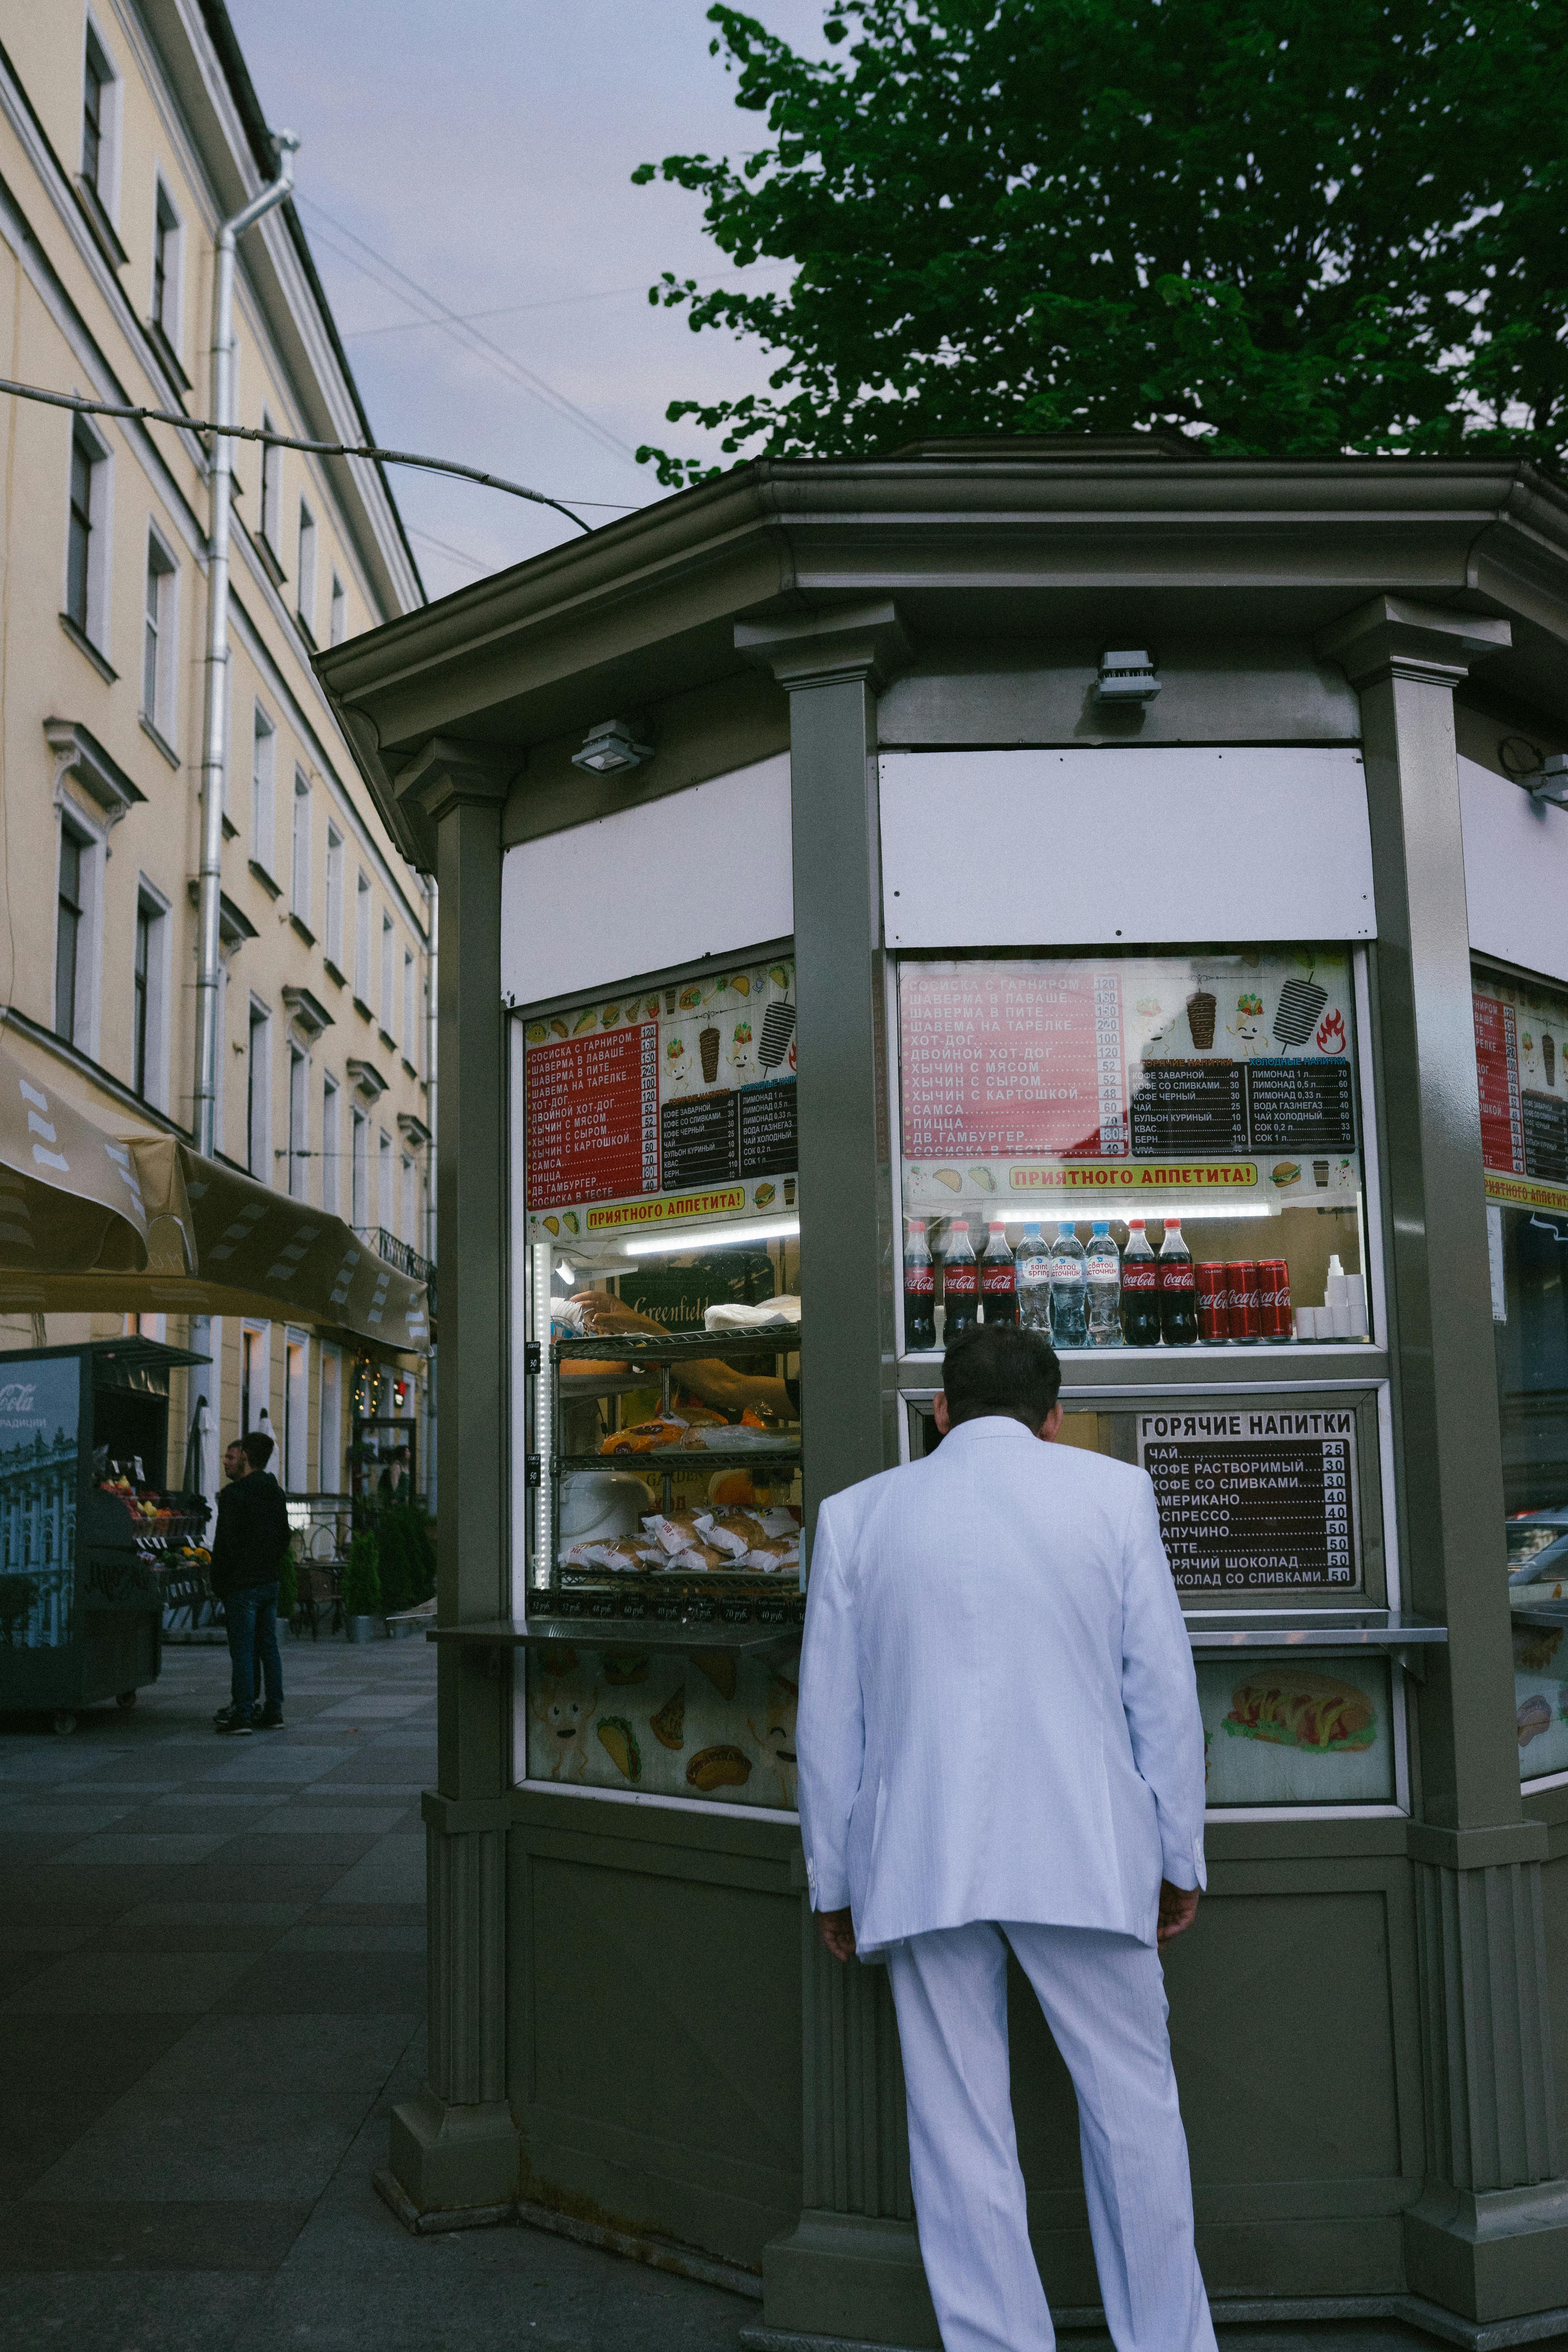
1254,1501
671,1104
1035,1082
1522,1037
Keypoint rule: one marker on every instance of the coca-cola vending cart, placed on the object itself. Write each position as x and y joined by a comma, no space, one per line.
89,1526
1113,889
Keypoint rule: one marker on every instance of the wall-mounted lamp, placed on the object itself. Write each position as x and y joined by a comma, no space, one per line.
609,747
1552,783
1127,677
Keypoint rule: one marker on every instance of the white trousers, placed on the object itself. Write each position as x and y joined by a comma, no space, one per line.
1104,2000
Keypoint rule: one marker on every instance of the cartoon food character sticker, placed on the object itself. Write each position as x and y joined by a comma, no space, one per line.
669,1726
775,1737
740,1050
1285,1173
619,1742
765,1196
537,1032
676,1060
561,1721
718,1768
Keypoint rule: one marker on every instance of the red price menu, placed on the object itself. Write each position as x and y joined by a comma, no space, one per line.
593,1117
1496,1064
997,1059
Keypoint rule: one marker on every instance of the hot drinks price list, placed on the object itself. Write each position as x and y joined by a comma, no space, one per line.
1253,1502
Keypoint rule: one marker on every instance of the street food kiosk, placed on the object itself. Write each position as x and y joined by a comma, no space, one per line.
1082,883
91,1526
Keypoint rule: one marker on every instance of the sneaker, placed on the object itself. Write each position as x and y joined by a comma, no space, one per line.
233,1726
267,1722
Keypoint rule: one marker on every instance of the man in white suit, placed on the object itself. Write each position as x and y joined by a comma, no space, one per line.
999,1745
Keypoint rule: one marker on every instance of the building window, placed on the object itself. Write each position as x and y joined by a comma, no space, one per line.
263,773
99,122
294,1468
157,638
257,1101
271,486
388,955
149,1039
167,252
385,1201
86,532
331,1145
305,586
359,1206
337,617
298,1124
331,1438
69,932
254,1377
300,860
410,1203
410,1026
334,946
362,939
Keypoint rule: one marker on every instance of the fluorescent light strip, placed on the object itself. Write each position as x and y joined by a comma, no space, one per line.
667,1244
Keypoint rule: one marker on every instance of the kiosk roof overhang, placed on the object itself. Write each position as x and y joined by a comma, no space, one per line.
980,543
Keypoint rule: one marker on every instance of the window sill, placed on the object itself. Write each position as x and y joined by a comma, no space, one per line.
84,645
329,968
306,631
362,1009
306,933
230,830
167,749
410,1069
387,1040
102,228
167,354
269,563
273,890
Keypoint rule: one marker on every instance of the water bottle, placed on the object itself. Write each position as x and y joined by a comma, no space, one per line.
960,1280
919,1288
1104,1272
998,1282
1032,1281
1069,1327
1140,1289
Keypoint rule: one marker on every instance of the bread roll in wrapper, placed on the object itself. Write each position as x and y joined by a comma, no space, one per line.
733,1532
625,1555
673,1530
699,1558
780,1520
771,1553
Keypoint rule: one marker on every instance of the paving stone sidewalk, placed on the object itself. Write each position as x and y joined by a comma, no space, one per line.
212,1991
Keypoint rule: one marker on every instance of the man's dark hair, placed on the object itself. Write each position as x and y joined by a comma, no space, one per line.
995,1368
257,1448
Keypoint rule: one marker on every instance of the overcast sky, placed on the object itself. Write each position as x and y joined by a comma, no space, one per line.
484,147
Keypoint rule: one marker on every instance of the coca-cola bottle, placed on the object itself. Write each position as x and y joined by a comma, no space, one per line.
1140,1288
960,1280
919,1288
998,1284
1178,1297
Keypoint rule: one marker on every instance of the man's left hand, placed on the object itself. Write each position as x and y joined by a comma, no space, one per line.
1178,1909
837,1930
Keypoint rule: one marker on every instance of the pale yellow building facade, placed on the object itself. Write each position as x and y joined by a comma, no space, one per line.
128,133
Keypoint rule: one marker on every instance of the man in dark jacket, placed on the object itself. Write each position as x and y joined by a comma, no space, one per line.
251,1539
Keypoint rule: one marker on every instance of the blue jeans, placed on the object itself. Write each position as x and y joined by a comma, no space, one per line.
251,1617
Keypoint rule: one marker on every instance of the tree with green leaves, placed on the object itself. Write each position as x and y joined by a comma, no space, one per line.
1286,228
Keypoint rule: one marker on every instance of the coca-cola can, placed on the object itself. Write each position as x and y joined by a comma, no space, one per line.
1213,1300
1245,1306
1274,1298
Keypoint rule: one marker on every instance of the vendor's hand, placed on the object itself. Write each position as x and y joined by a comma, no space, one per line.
1178,1909
837,1930
601,1311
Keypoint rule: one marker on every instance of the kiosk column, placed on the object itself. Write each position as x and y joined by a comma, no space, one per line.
455,2145
1489,2235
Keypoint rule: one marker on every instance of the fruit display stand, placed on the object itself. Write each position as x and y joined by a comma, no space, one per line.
90,1535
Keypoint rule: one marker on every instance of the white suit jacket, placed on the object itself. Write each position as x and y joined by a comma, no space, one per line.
998,1712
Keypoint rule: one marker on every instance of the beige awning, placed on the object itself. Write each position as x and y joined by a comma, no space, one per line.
70,1195
185,1236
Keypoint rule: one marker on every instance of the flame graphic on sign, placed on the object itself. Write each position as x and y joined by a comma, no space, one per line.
1331,1033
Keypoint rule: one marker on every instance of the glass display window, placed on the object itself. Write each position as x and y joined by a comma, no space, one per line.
1521,1042
1134,1149
661,1220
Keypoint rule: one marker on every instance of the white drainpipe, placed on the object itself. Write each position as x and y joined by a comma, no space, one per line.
214,718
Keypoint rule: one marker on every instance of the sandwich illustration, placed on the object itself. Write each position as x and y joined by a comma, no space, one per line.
950,1177
717,1768
1535,1646
611,1012
553,1225
689,999
1286,1171
1535,1716
619,1742
559,1027
742,985
669,1726
1290,1707
719,1665
626,1667
584,1021
983,1180
765,1195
